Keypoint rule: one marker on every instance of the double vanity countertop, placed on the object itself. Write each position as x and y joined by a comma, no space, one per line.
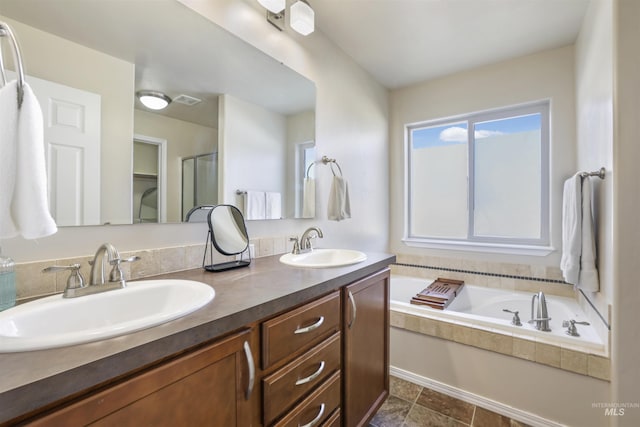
34,379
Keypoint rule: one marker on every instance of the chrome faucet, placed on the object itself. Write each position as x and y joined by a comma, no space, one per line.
542,316
305,239
76,285
97,277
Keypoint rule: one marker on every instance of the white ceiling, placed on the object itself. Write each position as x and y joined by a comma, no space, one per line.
401,42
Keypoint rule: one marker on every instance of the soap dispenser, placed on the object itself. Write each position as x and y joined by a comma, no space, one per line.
7,282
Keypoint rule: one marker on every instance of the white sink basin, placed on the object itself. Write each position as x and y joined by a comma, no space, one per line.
324,258
57,322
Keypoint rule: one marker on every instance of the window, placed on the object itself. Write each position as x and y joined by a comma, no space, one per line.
480,179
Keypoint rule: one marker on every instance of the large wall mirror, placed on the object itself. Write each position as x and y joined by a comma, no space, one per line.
239,120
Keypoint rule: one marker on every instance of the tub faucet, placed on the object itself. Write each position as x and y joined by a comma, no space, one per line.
542,316
305,239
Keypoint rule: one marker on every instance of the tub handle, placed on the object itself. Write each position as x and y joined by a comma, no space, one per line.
571,325
516,319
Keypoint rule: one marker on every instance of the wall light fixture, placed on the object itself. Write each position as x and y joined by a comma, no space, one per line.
302,16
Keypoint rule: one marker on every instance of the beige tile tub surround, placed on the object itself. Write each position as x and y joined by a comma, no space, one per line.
32,282
567,359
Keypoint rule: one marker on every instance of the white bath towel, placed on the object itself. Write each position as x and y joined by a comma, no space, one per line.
23,164
588,279
578,242
273,205
339,204
254,205
309,198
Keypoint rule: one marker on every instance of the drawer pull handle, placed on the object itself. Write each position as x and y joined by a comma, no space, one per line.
252,370
353,309
312,376
310,327
314,421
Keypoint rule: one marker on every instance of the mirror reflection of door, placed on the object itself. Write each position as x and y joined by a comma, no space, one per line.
148,180
199,181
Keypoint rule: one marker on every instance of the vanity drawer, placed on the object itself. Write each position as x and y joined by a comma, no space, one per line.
317,408
284,387
299,329
334,420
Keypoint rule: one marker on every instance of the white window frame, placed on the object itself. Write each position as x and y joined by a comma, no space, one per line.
535,247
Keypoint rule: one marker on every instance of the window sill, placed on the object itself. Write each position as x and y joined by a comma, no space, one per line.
479,246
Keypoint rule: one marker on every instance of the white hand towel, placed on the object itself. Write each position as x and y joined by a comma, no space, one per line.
588,279
571,229
273,205
8,144
339,204
254,205
29,210
309,198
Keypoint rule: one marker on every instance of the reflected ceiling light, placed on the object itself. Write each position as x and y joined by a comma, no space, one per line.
275,6
302,17
153,99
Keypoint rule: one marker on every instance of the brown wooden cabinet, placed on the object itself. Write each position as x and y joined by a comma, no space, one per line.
321,364
366,348
213,386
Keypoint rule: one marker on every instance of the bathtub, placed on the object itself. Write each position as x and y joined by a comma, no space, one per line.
481,307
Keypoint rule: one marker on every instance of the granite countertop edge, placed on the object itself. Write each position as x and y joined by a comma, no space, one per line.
116,357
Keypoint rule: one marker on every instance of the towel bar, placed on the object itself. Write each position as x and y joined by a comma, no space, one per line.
599,173
5,31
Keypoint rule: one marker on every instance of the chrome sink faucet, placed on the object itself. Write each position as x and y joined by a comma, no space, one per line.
542,315
76,285
305,239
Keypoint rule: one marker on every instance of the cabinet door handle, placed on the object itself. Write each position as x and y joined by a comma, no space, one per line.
312,376
316,419
252,370
353,310
310,327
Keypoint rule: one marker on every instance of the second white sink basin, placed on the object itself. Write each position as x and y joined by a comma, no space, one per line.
57,322
324,258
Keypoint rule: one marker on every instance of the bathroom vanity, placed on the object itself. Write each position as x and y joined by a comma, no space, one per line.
278,346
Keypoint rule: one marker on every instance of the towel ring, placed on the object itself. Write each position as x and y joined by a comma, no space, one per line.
306,175
5,31
332,162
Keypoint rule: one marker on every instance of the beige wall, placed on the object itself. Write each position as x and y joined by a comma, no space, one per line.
626,205
594,129
546,75
56,59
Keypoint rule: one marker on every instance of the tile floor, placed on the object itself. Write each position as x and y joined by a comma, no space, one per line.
411,405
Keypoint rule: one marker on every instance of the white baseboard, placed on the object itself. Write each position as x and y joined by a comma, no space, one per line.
500,408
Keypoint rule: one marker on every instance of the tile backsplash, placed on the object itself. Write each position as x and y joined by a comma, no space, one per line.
32,282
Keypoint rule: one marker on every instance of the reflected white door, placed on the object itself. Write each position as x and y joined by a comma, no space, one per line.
72,147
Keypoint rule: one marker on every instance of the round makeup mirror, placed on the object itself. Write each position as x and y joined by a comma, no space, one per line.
229,237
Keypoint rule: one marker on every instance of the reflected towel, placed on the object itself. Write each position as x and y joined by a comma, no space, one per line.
273,205
24,208
578,242
309,198
339,204
254,205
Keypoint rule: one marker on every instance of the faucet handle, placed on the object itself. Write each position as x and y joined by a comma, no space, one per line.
116,274
75,279
516,319
296,245
571,327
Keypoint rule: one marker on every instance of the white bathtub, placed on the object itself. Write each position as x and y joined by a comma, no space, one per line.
481,307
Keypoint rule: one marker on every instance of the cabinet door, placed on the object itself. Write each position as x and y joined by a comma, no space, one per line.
366,348
209,387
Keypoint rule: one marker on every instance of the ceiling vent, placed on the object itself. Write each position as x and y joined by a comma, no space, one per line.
186,100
